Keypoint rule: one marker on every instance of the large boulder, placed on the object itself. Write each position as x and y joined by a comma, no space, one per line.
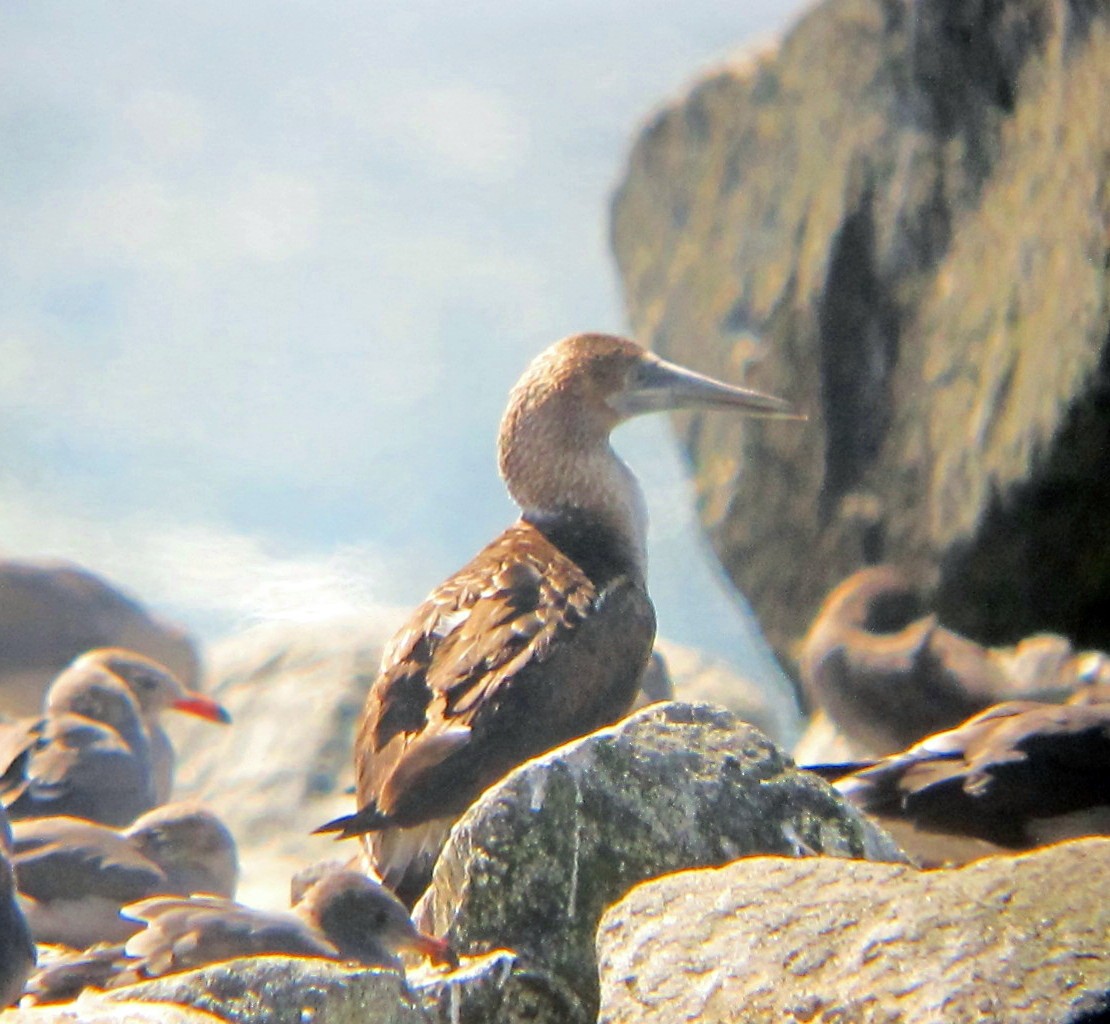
50,612
908,203
532,865
1019,940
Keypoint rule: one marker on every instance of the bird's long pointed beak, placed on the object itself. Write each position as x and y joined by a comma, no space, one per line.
657,385
203,707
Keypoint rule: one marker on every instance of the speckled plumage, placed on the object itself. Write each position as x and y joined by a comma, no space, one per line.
544,635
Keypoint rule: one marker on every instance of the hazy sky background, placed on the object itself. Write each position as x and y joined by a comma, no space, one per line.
270,269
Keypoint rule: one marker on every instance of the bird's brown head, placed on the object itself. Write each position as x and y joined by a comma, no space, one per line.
553,444
191,844
366,922
154,686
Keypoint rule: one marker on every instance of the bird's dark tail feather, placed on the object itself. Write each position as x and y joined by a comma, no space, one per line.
365,819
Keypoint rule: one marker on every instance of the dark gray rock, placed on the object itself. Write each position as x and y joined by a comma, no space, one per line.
534,863
1019,940
495,987
283,990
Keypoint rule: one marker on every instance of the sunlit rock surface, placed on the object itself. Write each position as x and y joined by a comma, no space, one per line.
908,202
1020,939
534,863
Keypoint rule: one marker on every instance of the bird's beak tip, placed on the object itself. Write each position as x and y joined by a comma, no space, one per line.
203,707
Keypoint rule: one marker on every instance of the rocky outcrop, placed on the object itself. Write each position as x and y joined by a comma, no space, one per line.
52,612
282,990
909,204
768,939
534,863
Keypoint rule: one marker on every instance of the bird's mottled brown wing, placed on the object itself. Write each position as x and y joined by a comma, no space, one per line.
67,858
467,658
184,933
1010,766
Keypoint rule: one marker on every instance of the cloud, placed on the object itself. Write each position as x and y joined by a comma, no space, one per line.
212,577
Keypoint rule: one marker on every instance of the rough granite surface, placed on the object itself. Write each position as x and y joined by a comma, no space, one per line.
1011,940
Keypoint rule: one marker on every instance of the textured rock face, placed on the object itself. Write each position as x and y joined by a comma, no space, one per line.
534,863
864,942
910,204
98,1011
283,990
52,612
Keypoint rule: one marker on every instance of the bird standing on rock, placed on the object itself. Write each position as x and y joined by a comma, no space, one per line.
544,635
343,916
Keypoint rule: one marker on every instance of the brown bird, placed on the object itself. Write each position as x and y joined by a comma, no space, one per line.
1019,775
343,916
87,757
17,950
156,690
74,875
887,674
544,635
99,751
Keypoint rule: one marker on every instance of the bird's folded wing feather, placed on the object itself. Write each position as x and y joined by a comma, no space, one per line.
444,670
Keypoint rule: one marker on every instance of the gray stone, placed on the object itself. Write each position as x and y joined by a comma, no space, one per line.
495,987
283,990
92,1009
1021,940
534,862
896,218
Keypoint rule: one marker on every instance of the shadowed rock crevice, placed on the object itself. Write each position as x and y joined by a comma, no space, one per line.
858,328
1039,559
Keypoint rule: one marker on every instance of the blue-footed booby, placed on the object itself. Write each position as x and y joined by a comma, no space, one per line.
544,635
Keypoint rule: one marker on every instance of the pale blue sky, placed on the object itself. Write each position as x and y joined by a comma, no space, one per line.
270,270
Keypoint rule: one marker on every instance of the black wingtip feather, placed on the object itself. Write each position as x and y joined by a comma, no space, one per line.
366,819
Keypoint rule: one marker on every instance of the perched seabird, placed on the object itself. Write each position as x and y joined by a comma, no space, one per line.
544,635
99,750
17,950
1019,775
156,690
74,875
888,674
343,916
87,757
